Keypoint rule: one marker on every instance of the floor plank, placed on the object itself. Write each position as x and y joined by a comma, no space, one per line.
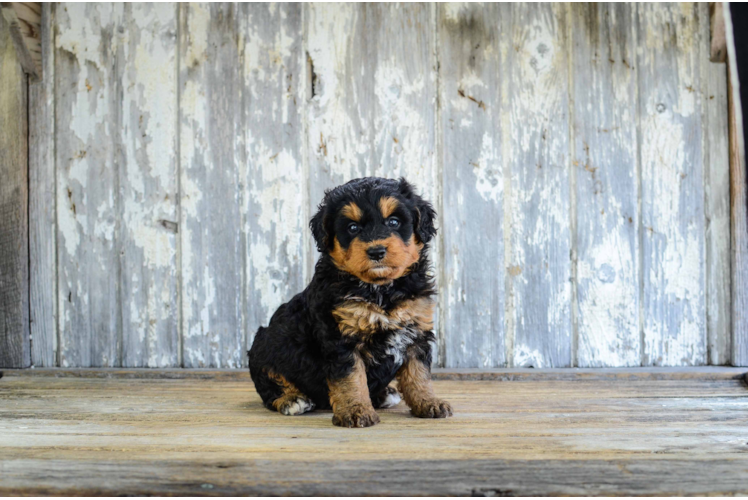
611,436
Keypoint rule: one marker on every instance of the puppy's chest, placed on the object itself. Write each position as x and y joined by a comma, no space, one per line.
397,326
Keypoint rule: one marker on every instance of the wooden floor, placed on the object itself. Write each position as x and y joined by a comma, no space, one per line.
532,432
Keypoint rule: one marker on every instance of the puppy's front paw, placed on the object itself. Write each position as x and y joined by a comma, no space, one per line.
356,416
432,408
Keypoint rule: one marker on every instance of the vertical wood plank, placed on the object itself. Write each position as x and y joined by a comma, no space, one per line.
673,239
605,160
535,93
473,184
42,225
87,99
147,159
274,215
212,256
372,101
738,224
717,194
738,199
15,348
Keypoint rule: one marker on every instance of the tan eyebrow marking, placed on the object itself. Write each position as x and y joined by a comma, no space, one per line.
387,205
352,211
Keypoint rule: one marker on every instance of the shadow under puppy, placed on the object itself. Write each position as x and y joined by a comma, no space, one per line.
366,317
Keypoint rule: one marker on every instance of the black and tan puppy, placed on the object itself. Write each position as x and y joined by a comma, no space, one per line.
366,317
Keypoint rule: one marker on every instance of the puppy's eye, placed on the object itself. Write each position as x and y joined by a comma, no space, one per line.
393,222
354,228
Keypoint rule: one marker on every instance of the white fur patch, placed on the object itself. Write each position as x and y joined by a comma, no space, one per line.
391,400
298,407
399,342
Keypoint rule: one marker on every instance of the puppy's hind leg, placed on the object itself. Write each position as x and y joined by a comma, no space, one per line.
291,400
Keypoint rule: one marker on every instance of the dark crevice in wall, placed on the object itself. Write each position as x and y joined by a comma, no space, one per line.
312,76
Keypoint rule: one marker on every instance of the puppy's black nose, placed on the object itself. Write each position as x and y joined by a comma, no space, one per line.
376,253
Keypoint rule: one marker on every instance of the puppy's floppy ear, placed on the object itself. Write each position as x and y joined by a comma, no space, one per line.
320,226
423,212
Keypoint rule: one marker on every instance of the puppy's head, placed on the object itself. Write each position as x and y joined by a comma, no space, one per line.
373,228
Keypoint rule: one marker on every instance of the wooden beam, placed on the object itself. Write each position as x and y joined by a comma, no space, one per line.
15,346
494,374
25,19
738,209
718,50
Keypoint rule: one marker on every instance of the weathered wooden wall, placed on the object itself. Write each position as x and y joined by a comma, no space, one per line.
577,155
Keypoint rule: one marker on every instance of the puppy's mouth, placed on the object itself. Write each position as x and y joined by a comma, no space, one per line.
381,273
380,270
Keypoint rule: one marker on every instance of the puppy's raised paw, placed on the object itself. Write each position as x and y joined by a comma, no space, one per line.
356,416
387,398
391,399
432,408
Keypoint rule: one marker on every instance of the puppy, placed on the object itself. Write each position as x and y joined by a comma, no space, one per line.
366,317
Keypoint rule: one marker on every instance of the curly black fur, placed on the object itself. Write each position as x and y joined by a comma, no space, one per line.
303,342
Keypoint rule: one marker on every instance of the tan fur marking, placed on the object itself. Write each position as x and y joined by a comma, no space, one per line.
352,211
290,392
353,259
400,257
349,397
414,382
358,318
387,205
417,312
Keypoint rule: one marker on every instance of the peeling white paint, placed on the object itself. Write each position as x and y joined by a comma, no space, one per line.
197,31
489,180
673,197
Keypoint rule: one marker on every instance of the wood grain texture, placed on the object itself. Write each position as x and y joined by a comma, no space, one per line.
15,348
211,150
146,148
522,438
24,21
274,227
605,144
491,478
86,121
535,90
717,200
672,186
470,48
42,223
718,44
739,247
